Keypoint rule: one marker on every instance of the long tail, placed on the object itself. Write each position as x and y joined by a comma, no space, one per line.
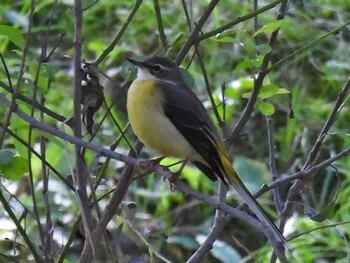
232,177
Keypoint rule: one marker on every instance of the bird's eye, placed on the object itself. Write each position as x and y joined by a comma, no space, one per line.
156,68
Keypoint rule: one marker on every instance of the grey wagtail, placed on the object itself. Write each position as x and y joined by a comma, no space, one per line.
169,118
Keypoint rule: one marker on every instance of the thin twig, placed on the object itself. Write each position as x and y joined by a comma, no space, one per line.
114,121
321,227
188,20
40,107
207,245
149,246
258,82
48,233
21,72
331,119
116,39
216,230
117,197
55,46
69,138
207,86
80,163
308,46
136,162
162,35
20,229
7,72
29,155
297,187
25,144
70,240
114,155
272,161
303,173
199,254
192,38
48,238
104,167
237,21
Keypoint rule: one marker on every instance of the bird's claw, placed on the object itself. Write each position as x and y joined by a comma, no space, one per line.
149,165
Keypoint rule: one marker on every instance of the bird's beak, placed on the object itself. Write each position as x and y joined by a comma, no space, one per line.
137,63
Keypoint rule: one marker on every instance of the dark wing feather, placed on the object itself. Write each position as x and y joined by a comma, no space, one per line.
189,116
206,170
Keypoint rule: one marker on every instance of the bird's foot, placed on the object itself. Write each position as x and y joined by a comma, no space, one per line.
149,165
178,172
175,175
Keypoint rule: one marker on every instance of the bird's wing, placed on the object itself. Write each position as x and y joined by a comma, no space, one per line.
187,113
189,116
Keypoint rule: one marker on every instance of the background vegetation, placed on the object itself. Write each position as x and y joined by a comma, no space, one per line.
293,54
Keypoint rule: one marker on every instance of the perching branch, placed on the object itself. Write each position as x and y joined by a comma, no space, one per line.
126,179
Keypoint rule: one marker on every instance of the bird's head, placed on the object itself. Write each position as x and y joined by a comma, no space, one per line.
157,68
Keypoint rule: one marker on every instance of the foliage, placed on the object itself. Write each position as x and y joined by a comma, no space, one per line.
308,66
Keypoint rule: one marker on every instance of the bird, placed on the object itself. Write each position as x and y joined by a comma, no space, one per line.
168,117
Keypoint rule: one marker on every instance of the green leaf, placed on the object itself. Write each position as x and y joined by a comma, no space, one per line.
258,61
226,39
21,128
224,252
250,46
228,36
6,156
266,108
227,33
282,91
179,38
221,250
268,91
187,77
193,175
49,69
15,169
326,195
244,64
247,83
324,214
273,26
263,49
96,45
13,34
252,172
42,81
246,95
183,241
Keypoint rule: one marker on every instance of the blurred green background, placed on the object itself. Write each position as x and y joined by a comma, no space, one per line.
299,93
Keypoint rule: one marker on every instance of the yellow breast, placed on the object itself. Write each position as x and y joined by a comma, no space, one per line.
149,123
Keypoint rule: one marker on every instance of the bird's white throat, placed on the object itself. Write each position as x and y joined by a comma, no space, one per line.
144,74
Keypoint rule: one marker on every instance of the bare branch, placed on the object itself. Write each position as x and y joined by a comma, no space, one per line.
341,98
192,38
162,35
237,21
21,72
76,141
116,39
